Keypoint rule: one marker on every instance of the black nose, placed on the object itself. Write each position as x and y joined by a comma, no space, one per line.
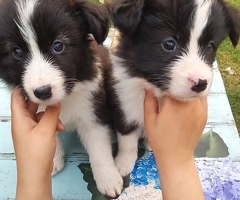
44,92
200,86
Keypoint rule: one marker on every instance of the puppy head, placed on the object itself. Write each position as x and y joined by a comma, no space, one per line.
173,43
45,48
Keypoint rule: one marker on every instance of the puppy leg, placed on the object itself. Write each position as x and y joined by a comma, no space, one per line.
58,159
96,140
127,152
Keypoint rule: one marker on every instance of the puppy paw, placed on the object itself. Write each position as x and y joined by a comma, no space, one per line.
125,162
109,182
147,145
58,164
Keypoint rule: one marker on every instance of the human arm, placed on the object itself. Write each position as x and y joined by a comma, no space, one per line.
34,144
173,133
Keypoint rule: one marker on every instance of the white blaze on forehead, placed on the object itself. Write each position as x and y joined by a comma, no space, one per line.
191,65
203,11
25,9
40,71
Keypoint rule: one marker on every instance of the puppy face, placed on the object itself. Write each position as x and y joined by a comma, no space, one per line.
44,46
173,43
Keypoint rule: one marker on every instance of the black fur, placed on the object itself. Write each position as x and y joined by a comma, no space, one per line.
160,49
144,25
78,61
75,75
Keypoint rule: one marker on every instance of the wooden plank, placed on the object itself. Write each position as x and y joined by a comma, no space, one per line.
4,104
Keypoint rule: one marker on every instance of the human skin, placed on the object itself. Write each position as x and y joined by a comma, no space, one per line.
173,133
34,140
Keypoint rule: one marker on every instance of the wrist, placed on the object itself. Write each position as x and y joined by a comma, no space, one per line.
164,157
180,177
34,187
33,183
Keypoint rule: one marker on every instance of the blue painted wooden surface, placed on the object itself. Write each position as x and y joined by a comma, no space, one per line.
69,183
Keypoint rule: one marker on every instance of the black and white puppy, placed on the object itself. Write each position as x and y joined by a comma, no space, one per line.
46,51
167,47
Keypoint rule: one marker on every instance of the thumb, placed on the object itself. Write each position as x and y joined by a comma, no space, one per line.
150,108
50,119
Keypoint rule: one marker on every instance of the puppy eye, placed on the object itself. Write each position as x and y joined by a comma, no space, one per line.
17,52
58,47
210,47
169,45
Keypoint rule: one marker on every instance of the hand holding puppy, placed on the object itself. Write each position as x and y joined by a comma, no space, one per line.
34,142
173,133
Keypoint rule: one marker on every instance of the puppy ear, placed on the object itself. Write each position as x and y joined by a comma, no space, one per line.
232,23
126,14
96,16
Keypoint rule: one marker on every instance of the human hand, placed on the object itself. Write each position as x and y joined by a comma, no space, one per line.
175,130
34,139
173,133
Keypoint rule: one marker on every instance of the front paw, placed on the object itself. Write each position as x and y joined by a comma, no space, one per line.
58,165
125,162
109,182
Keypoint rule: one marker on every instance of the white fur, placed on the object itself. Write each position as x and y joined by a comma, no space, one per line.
39,70
131,90
127,151
203,11
77,108
191,66
78,114
25,11
131,96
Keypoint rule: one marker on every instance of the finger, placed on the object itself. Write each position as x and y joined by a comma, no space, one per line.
150,108
60,126
32,108
49,119
204,102
18,104
38,116
205,107
17,100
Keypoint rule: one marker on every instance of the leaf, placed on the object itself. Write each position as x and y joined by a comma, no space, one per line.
202,146
95,1
211,145
88,175
141,152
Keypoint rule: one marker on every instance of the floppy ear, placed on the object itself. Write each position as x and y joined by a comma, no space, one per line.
232,23
126,14
96,16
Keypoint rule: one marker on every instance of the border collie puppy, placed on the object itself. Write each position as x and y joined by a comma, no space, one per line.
46,51
167,47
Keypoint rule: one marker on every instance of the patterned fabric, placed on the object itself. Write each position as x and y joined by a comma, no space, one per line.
220,178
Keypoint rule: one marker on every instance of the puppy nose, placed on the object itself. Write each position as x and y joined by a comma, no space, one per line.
44,92
200,85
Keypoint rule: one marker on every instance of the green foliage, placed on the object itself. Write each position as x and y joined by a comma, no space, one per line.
88,175
230,57
95,1
211,145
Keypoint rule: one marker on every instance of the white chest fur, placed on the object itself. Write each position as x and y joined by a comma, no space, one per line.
77,108
131,93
